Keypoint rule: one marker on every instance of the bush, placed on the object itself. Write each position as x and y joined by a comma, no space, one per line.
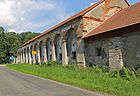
105,69
98,69
72,67
138,73
114,73
125,73
52,63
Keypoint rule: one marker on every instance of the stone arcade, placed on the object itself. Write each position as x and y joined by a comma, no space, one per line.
94,36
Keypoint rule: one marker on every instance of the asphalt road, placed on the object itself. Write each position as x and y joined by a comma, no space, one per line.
19,84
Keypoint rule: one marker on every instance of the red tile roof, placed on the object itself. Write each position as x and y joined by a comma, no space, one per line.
125,17
65,21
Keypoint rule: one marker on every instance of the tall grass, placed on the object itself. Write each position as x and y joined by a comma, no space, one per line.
94,79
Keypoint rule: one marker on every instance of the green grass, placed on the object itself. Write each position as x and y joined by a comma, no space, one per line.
89,78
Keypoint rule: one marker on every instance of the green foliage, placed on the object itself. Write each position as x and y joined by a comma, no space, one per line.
72,67
114,74
25,36
10,42
124,73
1,30
51,63
89,78
138,72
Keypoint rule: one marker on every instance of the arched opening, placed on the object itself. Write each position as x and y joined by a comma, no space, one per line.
71,38
58,47
36,56
41,50
49,49
31,49
24,55
28,57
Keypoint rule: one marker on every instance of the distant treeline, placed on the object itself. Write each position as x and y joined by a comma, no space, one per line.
10,42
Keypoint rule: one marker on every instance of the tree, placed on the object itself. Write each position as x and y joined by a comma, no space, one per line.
10,42
25,36
1,30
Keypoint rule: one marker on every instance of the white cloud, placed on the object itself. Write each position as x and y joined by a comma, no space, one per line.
11,30
91,4
22,19
28,15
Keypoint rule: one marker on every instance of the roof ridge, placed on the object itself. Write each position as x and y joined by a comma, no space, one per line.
106,30
81,13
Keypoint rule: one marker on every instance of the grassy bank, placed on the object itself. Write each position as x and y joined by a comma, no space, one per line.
89,78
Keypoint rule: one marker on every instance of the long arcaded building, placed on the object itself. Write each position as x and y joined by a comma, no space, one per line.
105,34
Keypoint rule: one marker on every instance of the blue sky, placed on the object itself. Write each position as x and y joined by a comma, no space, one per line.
39,15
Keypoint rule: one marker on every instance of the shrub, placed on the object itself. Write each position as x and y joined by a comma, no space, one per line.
114,73
125,73
105,69
138,73
52,63
71,67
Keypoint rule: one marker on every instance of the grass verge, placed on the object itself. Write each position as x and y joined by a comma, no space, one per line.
89,78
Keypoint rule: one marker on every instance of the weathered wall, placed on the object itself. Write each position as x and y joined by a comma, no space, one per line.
113,6
93,18
104,52
100,13
91,52
118,48
132,49
115,46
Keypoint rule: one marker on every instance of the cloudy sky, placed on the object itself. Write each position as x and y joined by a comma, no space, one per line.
39,15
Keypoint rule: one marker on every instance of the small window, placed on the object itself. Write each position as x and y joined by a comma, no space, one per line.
60,57
50,43
73,55
98,51
50,57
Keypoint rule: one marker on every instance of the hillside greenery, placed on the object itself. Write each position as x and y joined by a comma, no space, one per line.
10,42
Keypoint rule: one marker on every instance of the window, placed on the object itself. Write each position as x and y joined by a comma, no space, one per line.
73,55
98,51
60,57
50,57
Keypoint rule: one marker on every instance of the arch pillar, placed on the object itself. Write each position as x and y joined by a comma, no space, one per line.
34,57
64,52
23,55
53,52
26,55
38,54
30,58
17,59
45,54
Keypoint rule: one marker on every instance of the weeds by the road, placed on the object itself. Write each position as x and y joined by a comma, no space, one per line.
95,79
